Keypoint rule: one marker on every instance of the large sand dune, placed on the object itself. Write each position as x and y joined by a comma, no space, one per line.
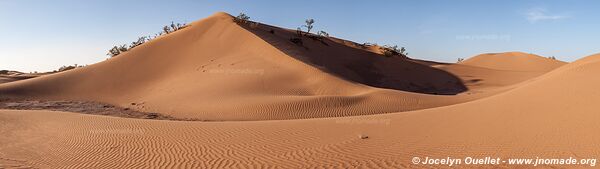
226,72
305,107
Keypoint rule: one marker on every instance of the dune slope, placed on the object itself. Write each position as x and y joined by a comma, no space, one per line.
554,116
217,70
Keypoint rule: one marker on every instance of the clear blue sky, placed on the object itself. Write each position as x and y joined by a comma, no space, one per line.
41,35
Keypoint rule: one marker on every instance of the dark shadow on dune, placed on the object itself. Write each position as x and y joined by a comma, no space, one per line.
347,60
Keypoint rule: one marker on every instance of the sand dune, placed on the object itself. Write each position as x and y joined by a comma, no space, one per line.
514,61
11,76
228,72
507,125
276,104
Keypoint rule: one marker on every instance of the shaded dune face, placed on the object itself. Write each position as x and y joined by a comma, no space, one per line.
360,64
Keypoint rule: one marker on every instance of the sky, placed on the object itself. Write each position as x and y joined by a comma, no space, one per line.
41,35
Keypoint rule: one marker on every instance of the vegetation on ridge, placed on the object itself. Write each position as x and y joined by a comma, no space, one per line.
116,50
389,51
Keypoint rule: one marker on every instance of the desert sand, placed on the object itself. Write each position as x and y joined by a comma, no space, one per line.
11,76
262,101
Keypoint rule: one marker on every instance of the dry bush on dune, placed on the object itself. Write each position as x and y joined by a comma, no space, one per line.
116,50
140,41
320,36
323,34
123,48
65,68
241,18
390,51
309,25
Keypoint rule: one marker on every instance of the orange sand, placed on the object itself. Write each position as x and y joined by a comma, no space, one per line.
281,105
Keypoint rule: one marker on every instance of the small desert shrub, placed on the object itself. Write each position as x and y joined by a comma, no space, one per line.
116,50
272,31
140,41
241,18
167,30
3,72
460,60
322,34
369,44
173,27
309,25
552,57
65,68
123,48
393,51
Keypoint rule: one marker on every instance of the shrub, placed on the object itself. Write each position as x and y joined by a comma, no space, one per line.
323,34
123,48
65,68
460,60
140,41
309,25
393,51
167,30
174,27
241,18
116,50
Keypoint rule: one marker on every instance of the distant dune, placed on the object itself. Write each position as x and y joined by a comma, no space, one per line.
514,61
322,104
11,76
